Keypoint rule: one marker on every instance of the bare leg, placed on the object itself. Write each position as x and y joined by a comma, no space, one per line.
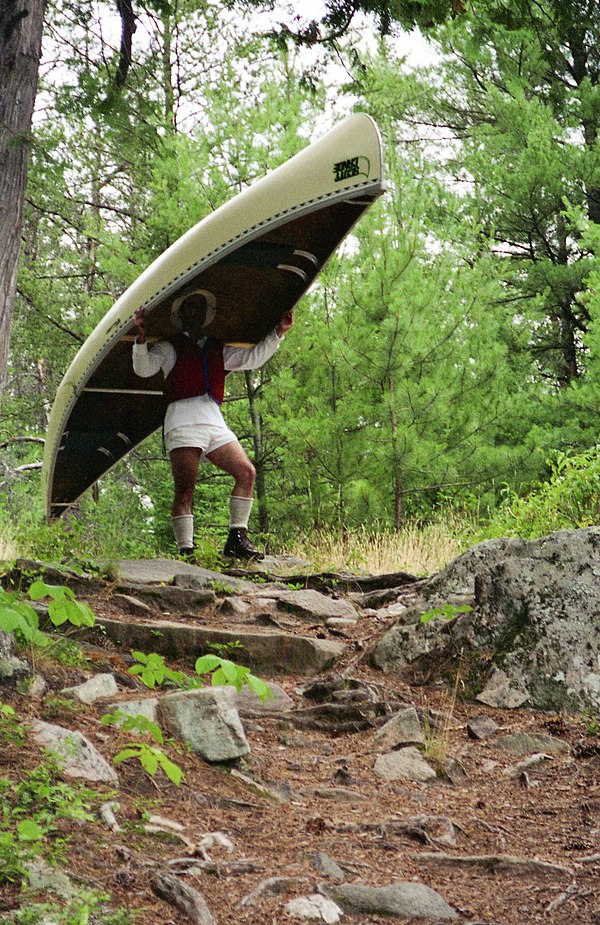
184,467
232,459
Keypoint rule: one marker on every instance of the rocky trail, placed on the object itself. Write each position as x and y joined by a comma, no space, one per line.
409,770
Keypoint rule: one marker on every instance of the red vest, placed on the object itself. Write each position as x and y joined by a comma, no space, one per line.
192,366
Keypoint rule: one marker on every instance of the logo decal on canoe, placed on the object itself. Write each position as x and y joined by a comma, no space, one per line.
353,167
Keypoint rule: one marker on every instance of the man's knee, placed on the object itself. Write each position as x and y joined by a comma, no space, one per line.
247,472
184,495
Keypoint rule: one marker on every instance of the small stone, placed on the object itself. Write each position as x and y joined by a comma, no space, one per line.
132,605
315,908
234,607
77,755
481,727
144,706
327,867
96,688
272,886
401,900
501,692
406,764
455,772
525,743
403,729
532,763
206,718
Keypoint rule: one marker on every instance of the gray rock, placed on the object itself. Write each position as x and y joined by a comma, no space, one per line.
171,599
234,607
526,743
151,571
132,605
272,886
77,755
405,764
42,878
535,613
314,606
12,669
38,686
405,643
399,900
247,703
481,727
207,720
315,908
403,729
266,653
501,692
95,688
144,706
535,762
327,867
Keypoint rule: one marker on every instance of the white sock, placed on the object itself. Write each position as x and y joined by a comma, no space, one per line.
239,511
183,528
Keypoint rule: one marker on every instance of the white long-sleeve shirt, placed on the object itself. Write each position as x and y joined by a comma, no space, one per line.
201,409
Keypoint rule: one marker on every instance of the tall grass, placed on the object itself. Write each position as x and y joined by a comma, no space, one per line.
9,548
420,549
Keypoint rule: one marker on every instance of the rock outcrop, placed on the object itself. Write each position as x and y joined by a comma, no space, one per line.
533,634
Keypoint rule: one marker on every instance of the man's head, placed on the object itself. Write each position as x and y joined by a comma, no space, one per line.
193,311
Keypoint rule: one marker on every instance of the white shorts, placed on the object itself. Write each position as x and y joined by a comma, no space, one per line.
206,437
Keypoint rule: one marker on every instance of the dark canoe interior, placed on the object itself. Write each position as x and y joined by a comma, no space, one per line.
253,285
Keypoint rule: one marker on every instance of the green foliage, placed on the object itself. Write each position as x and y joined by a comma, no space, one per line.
150,757
221,587
138,723
20,619
63,606
445,612
29,811
569,499
224,671
57,707
152,670
11,730
85,907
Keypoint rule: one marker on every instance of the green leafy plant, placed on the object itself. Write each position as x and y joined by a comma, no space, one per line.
63,606
151,759
444,612
55,707
221,587
152,670
29,810
85,907
17,847
10,725
20,619
224,648
225,672
150,756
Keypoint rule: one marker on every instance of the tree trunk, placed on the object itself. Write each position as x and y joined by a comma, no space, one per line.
259,458
21,23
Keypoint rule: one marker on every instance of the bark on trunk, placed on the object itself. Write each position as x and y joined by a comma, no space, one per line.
259,459
21,23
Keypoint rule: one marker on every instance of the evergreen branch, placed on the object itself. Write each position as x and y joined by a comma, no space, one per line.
61,327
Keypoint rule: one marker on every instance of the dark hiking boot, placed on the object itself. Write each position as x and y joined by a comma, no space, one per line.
187,553
238,546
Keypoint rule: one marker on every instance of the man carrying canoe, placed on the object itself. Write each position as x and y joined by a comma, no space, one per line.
194,368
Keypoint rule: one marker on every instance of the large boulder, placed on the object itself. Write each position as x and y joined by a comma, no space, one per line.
535,620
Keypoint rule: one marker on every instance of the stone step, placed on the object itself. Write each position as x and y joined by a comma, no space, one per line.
267,654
